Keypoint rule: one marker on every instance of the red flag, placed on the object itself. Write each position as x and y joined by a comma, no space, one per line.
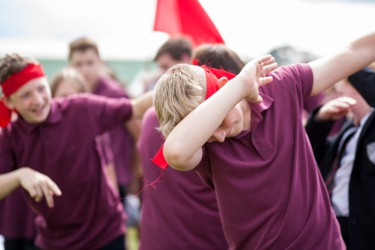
188,18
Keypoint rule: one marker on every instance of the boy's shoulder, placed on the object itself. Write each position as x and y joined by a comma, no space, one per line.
76,103
292,77
292,71
77,99
110,88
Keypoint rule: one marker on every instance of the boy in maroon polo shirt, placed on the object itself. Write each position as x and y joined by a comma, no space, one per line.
257,156
50,150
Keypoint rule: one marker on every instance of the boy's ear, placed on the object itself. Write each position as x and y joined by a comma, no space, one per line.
222,81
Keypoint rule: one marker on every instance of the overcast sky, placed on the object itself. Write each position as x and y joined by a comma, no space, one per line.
123,28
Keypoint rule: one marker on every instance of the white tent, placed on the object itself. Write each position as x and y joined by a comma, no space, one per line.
123,28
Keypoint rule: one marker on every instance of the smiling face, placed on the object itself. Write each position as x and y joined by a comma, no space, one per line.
32,101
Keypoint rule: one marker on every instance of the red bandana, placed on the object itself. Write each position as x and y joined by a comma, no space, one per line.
13,83
212,76
5,115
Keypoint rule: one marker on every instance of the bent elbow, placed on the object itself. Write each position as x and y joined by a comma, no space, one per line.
177,158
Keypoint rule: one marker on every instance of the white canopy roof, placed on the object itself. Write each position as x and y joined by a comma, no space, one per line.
123,28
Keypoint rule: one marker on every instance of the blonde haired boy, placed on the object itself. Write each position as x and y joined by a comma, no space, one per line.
257,156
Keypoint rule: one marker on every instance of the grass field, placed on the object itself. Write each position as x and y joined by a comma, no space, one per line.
132,239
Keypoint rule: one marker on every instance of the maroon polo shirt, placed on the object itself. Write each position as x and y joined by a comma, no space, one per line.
268,186
120,139
180,211
16,217
87,215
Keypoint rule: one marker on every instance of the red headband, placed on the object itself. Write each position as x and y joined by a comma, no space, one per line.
13,83
17,80
212,76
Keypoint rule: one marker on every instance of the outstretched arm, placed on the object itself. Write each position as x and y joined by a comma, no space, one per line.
141,104
329,70
35,183
183,147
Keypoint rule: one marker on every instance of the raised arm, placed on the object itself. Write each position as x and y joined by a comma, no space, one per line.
183,146
329,70
36,184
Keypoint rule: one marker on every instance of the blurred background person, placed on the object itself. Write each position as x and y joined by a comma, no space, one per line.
173,51
84,56
347,161
69,81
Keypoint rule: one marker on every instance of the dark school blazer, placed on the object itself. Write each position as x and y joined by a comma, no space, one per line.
362,179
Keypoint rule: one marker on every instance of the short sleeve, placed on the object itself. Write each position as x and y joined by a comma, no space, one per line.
105,113
295,77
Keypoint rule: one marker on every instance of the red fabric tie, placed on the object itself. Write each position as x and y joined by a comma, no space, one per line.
159,159
5,115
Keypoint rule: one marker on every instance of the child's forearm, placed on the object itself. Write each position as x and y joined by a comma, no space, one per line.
331,69
35,183
8,183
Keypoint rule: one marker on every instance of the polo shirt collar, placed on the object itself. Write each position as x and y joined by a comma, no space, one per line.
54,116
256,115
257,109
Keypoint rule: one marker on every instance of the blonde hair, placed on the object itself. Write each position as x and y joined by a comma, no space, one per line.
178,92
68,73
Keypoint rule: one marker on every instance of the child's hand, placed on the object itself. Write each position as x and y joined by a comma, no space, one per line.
335,109
254,74
38,185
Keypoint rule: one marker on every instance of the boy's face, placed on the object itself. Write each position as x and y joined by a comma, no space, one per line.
231,126
165,61
88,64
32,101
233,122
344,88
